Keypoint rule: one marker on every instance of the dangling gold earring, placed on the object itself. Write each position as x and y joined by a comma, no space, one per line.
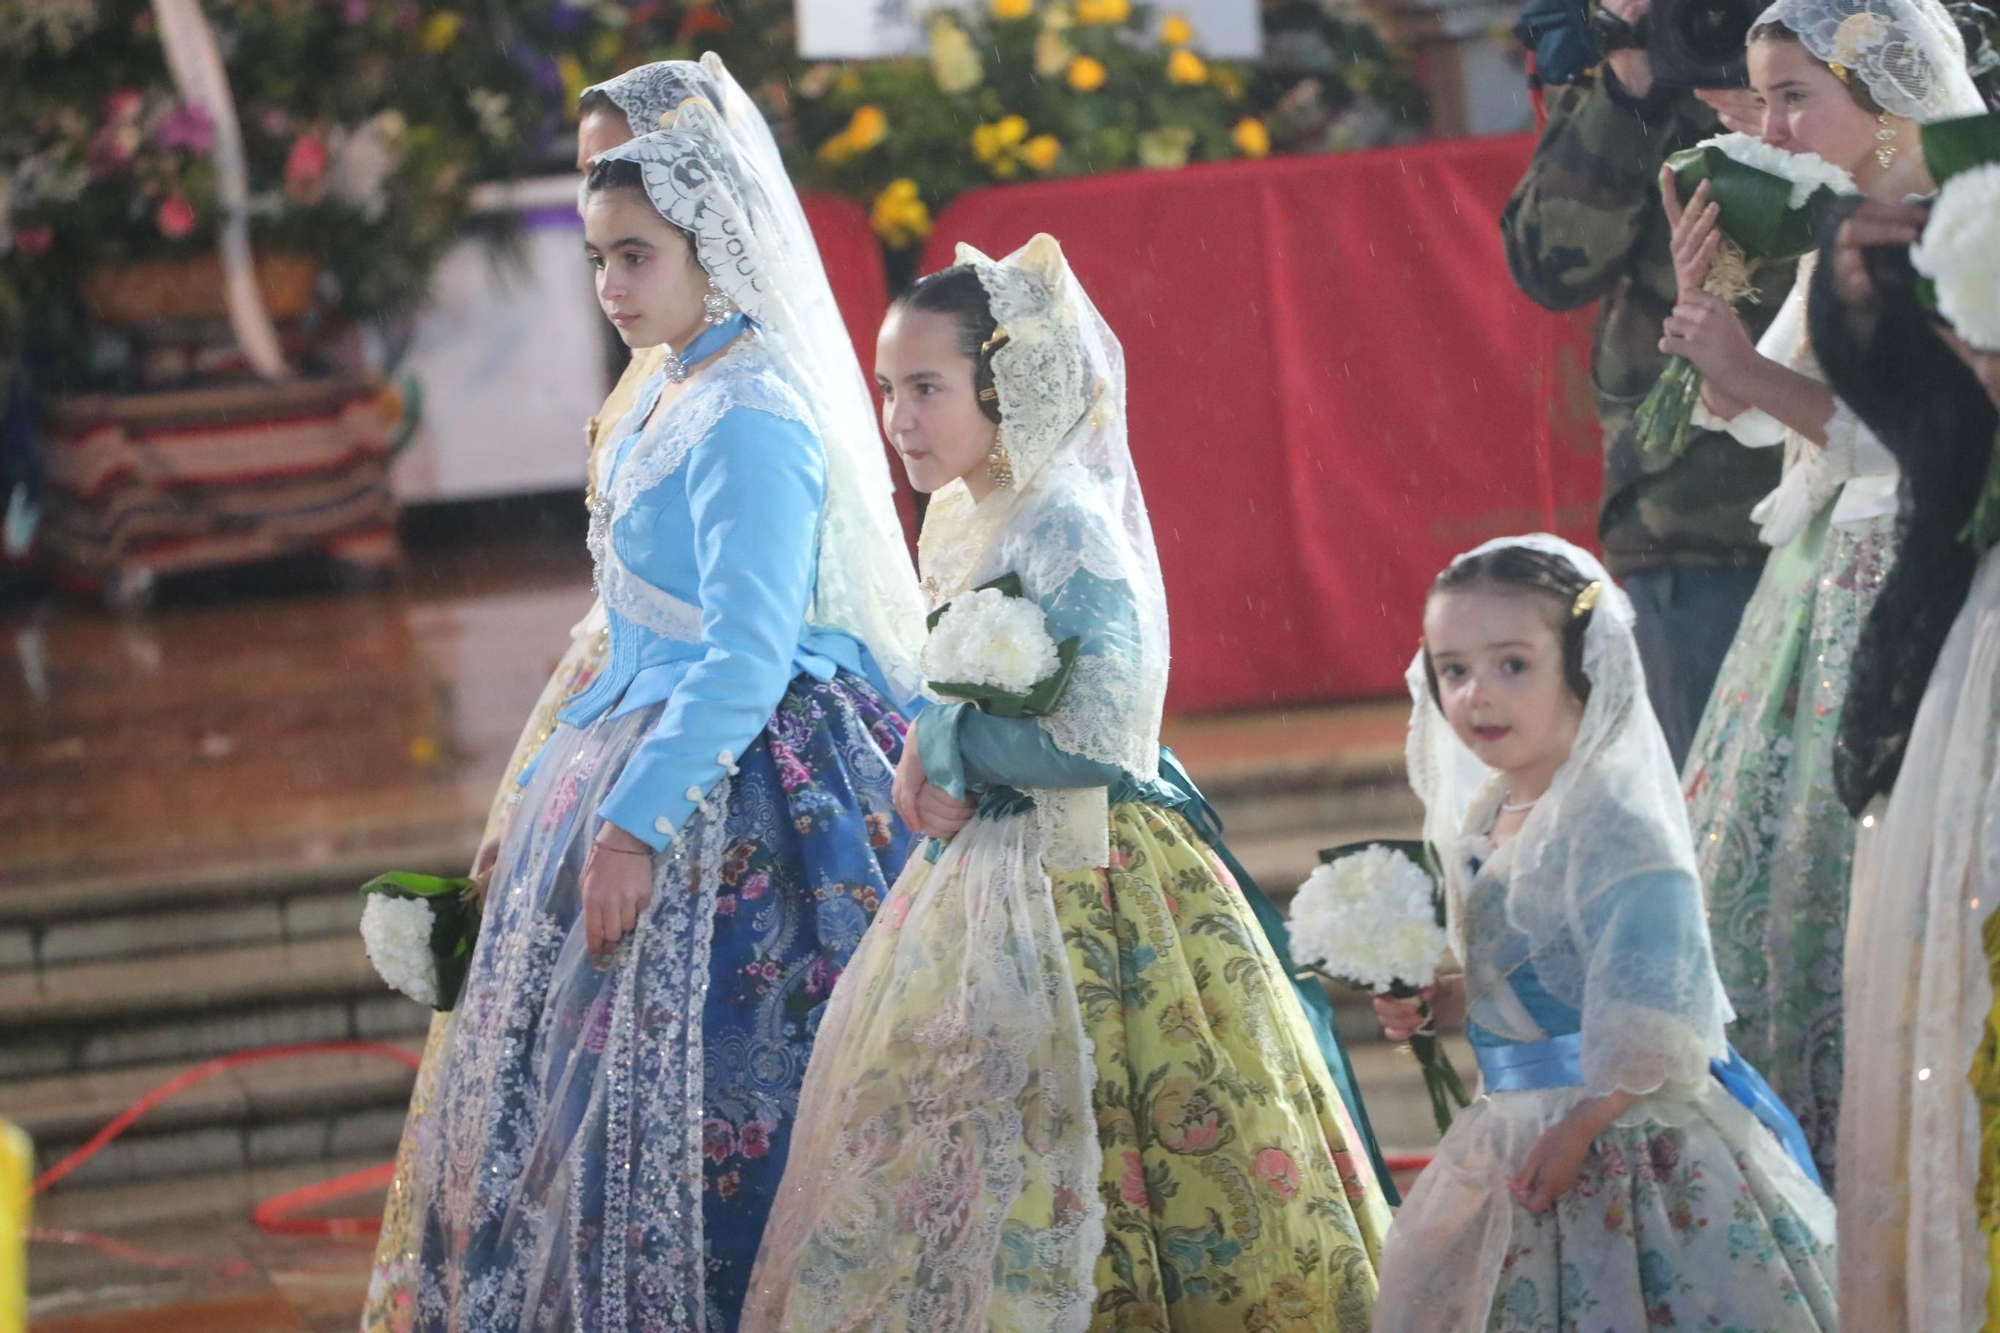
1885,138
1000,464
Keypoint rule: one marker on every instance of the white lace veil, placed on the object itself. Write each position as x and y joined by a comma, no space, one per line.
716,175
649,95
1908,52
1074,510
1653,1008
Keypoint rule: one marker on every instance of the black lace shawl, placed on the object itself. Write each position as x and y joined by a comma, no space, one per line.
1929,409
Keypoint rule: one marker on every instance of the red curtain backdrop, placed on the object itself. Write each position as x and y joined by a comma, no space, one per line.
853,259
1334,387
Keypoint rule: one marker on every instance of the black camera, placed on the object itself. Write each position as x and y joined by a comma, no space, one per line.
1699,43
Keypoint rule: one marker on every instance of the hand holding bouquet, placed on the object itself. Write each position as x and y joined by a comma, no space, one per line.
1768,206
1370,916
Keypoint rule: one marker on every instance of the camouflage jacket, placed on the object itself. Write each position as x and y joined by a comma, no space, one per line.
1586,225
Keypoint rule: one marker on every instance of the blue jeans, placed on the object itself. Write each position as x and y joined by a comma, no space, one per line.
1686,620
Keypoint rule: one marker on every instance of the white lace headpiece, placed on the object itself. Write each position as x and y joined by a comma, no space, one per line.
1613,812
1074,508
717,175
1909,53
649,95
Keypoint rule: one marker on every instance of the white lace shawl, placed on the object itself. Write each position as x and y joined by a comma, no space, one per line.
1614,811
1075,507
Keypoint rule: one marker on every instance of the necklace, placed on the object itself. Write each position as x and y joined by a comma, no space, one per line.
1507,809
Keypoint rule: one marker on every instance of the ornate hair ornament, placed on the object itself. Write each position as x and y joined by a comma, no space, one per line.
1586,601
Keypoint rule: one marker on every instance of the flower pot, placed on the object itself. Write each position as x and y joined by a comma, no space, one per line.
158,290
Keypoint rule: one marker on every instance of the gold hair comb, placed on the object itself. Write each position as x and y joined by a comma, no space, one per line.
1586,601
995,343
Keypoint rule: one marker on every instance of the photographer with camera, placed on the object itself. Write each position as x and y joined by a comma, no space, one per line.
1584,225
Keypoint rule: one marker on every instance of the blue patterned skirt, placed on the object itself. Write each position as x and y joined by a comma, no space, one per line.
608,1134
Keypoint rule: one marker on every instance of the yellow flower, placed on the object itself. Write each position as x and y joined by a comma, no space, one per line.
955,60
1166,148
868,128
571,70
1185,66
1251,138
1041,151
837,149
899,216
1011,129
1176,31
440,31
1009,10
1052,53
1103,11
1086,74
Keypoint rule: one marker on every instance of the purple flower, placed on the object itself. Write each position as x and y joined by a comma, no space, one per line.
725,904
187,127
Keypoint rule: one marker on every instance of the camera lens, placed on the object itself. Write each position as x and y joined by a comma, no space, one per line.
1699,43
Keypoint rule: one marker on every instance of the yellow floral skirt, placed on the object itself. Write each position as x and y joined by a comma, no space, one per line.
1986,1086
996,1015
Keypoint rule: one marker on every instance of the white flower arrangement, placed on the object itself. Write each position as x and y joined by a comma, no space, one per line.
988,638
1370,917
397,934
1808,172
1960,253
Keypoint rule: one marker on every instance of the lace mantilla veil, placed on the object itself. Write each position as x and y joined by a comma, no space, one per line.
716,174
1614,811
1075,508
1909,53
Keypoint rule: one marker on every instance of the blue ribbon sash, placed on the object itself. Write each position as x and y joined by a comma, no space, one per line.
1536,1066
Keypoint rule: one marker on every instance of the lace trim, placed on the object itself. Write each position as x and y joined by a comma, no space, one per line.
742,376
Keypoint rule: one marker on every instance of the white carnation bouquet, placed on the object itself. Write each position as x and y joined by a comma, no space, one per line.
1370,916
419,931
1772,205
992,646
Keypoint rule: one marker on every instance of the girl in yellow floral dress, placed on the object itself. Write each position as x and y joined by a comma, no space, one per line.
1065,1083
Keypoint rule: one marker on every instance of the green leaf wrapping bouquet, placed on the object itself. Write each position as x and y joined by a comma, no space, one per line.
992,647
419,931
1772,205
1372,915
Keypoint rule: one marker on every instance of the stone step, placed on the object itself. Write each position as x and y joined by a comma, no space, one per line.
304,1109
99,1016
138,916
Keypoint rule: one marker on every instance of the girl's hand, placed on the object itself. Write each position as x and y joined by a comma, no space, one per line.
924,808
482,867
1554,1163
1696,237
1705,330
617,886
1445,996
1402,1019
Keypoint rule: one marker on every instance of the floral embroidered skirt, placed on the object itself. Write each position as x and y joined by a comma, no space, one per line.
603,1139
1774,843
1688,1214
1086,1100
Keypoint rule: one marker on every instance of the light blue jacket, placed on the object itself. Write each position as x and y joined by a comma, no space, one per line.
706,539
